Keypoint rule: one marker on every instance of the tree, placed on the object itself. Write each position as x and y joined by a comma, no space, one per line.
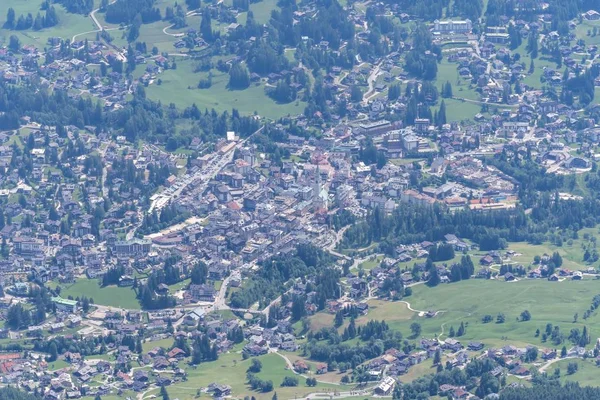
311,382
14,43
447,90
531,354
441,115
394,91
572,367
437,357
239,77
10,19
163,393
53,352
206,26
525,315
500,318
255,366
415,328
289,381
461,329
563,352
356,94
339,319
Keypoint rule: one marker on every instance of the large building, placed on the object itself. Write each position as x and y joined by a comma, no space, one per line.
451,26
26,245
133,247
65,305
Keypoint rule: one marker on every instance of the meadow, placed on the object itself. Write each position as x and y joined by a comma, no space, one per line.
111,296
179,86
230,369
69,24
468,301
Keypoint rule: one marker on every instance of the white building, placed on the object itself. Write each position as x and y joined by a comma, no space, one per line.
451,26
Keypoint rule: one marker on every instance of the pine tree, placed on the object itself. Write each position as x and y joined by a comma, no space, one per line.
461,329
163,393
441,114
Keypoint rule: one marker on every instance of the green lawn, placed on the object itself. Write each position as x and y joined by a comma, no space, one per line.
458,110
68,26
180,87
572,254
231,369
164,343
261,10
112,296
448,72
581,31
468,301
587,374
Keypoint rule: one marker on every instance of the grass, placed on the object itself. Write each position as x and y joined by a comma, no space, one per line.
230,369
572,254
179,87
581,31
68,26
112,296
395,314
448,72
457,110
164,343
58,364
261,10
587,373
468,301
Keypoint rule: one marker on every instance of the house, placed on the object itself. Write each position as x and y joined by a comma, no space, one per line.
300,366
452,344
475,346
385,387
202,292
219,390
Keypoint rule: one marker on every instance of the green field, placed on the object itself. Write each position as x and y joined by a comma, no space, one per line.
111,296
164,343
261,10
468,301
230,369
180,87
457,110
587,374
572,254
68,26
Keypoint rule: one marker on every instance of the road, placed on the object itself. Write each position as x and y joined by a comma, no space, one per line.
202,176
96,22
371,81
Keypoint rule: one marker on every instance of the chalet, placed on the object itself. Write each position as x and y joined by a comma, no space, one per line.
475,346
300,366
202,292
385,387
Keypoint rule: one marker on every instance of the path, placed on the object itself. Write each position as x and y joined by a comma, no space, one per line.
421,313
290,365
172,34
544,367
485,103
371,81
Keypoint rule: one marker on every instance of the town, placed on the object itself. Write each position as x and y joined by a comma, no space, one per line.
317,200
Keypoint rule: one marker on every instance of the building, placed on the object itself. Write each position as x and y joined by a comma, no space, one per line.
65,305
27,246
451,26
133,247
385,387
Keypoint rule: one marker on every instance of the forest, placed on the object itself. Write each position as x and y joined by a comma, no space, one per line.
269,281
